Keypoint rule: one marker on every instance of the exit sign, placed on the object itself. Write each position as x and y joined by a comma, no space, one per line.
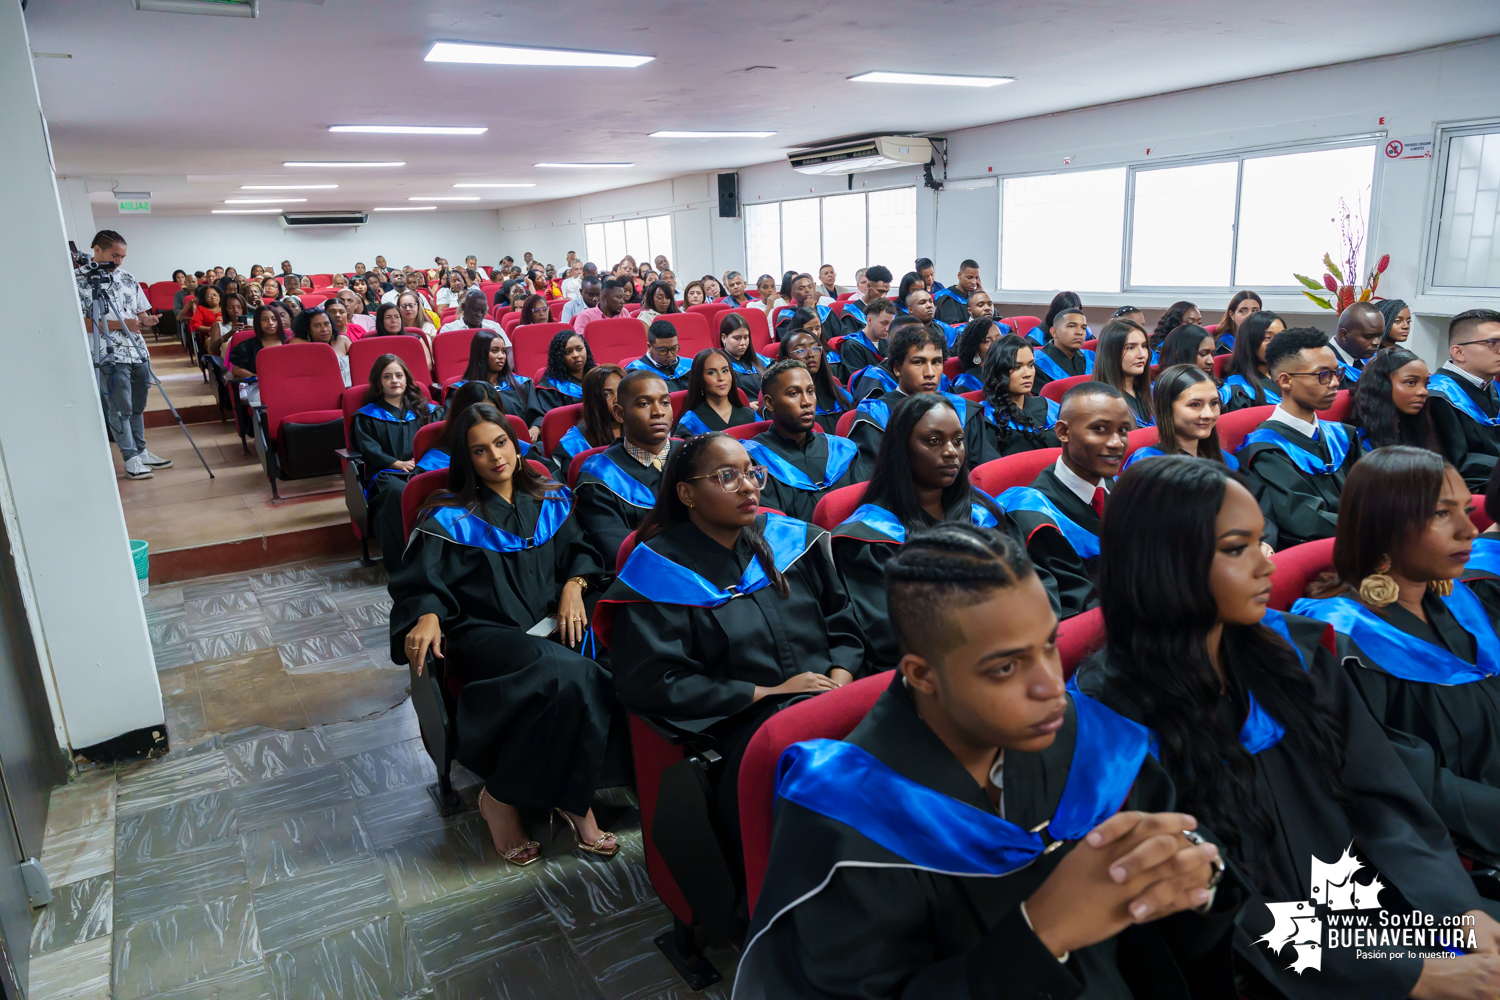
135,207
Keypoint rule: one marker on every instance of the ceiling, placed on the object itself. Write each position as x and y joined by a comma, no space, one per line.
191,107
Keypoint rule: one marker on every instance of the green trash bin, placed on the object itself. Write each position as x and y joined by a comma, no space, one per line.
140,552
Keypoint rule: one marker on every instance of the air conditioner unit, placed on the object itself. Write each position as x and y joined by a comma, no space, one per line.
322,220
860,155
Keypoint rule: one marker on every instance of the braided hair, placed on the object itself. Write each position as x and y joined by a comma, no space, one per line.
1169,321
999,362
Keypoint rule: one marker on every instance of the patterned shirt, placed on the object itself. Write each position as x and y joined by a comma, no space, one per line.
124,296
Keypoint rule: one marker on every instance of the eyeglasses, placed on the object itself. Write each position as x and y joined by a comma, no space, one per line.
1492,343
1327,377
730,480
803,352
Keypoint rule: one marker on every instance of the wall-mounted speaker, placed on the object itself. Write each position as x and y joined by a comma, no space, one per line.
729,196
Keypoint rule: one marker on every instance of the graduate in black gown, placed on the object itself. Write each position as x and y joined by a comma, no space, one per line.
878,279
662,358
1272,748
1124,362
1247,380
974,341
490,559
921,478
1064,356
1390,402
1361,327
469,394
802,465
964,840
914,364
616,487
597,426
1296,462
569,359
748,364
1060,512
1186,403
1465,402
953,301
864,345
833,400
490,356
383,432
1015,420
713,400
1418,643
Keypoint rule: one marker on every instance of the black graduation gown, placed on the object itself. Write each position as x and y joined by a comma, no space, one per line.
383,443
1389,822
1050,550
1301,507
1484,583
1240,398
1076,365
544,397
607,517
675,382
562,457
243,354
811,457
997,442
1448,735
518,401
840,916
533,715
1138,410
830,407
747,381
1472,447
868,434
953,308
738,415
855,355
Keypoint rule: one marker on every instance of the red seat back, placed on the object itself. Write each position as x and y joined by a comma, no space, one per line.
1221,362
744,432
555,424
418,488
977,395
1013,470
161,293
846,421
613,341
557,306
447,315
450,354
950,367
1296,567
298,378
321,280
427,438
1233,427
235,339
1080,637
510,321
837,505
1054,390
1342,404
312,299
489,288
577,464
530,341
1022,324
692,332
1090,345
760,330
363,353
1141,438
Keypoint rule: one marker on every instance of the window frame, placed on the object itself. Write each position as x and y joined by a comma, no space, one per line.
1444,132
604,221
781,229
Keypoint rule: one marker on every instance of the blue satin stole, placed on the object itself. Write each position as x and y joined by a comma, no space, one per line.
684,367
745,369
1408,657
856,308
693,424
1350,372
949,332
1151,451
565,386
618,481
886,380
843,398
1227,341
878,411
938,833
432,460
858,336
1037,336
1261,731
470,529
377,412
1272,396
1447,386
502,386
1084,541
841,454
968,383
1337,439
574,442
1485,555
888,524
662,581
1054,371
952,292
1053,409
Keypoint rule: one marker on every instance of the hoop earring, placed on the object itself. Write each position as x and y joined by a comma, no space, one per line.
1378,589
1442,588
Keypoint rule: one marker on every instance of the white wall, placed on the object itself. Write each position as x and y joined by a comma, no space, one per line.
57,483
77,211
159,244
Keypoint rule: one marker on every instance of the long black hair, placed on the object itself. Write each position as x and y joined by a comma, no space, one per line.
1171,383
649,296
1245,361
999,362
1060,302
909,281
1376,413
1157,549
683,465
598,417
1226,325
411,399
1110,354
696,391
479,359
556,366
891,485
823,381
1170,320
731,322
463,484
1182,344
276,315
966,348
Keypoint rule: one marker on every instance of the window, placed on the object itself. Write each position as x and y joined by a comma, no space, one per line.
1062,231
1466,253
1182,229
849,231
607,243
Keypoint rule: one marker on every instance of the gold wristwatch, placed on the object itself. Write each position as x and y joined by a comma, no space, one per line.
583,584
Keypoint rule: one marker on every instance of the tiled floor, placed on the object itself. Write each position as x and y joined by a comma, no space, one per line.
288,848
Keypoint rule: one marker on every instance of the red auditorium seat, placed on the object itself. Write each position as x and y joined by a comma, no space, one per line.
614,341
977,395
510,321
363,353
447,315
354,466
744,432
760,329
950,367
489,288
450,355
300,423
1054,390
577,463
836,505
846,421
1342,404
1091,345
530,342
1296,567
557,306
1233,427
1221,362
1141,438
555,424
845,296
321,280
1020,469
312,299
1022,324
680,397
692,332
428,438
161,293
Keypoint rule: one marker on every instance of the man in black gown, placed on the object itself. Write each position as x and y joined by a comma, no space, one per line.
1464,403
1064,356
877,286
617,486
1297,463
861,348
801,466
1360,328
663,357
971,745
953,301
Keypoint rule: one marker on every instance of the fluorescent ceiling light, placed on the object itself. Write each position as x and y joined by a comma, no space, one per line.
409,208
223,8
582,166
259,201
445,197
494,185
343,163
669,134
932,79
413,129
244,211
515,55
287,187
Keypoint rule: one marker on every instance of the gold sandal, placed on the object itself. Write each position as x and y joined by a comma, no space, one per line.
597,847
511,855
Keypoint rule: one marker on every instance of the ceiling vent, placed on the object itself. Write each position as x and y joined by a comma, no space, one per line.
322,220
860,155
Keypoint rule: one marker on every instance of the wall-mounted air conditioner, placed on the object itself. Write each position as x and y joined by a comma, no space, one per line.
322,220
860,155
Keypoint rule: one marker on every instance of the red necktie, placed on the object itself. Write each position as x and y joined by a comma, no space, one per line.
1098,502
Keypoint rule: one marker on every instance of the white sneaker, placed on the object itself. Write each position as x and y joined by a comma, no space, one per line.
137,469
155,461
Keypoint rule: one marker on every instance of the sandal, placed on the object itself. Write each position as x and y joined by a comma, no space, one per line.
597,847
511,855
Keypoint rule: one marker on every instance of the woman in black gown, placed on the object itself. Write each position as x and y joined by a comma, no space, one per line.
383,432
973,346
1247,380
490,361
492,557
1014,419
1418,643
1483,572
1268,741
1124,361
597,426
748,364
712,402
568,361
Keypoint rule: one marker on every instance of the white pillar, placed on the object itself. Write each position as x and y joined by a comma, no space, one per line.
77,211
57,482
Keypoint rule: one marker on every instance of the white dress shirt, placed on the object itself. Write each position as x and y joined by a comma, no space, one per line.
1082,488
1297,424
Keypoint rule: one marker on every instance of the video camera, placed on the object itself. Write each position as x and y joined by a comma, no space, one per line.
96,273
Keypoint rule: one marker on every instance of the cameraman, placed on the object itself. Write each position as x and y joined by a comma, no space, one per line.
120,353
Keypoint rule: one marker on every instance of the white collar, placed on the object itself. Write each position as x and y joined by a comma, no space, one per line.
1472,379
1297,424
1081,488
1344,356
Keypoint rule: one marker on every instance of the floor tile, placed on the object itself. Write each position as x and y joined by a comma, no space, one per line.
78,912
392,817
371,961
352,576
79,854
275,755
88,799
77,973
176,655
247,982
166,781
581,891
195,875
168,626
453,859
232,643
159,833
322,645
249,690
213,586
376,615
353,694
296,910
163,597
304,843
285,577
292,609
396,726
290,795
549,970
246,734
469,929
620,954
183,945
388,768
219,605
